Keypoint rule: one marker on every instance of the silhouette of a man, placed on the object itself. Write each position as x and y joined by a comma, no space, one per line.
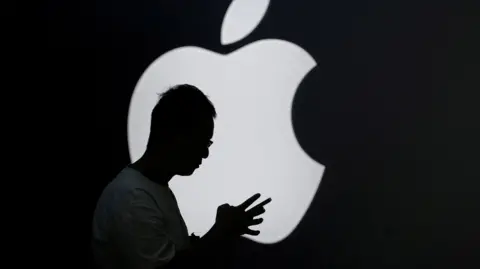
137,223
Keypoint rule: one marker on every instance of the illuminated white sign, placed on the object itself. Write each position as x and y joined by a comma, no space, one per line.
255,147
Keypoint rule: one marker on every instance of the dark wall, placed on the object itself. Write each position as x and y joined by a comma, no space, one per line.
391,110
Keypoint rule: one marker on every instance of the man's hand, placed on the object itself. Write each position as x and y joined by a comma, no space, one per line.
214,246
194,239
236,220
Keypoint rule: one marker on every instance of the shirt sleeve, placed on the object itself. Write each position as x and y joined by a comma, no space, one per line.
140,234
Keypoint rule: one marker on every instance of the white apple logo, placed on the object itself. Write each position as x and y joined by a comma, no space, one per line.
255,148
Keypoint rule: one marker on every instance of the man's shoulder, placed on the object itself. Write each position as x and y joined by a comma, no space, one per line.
130,184
125,188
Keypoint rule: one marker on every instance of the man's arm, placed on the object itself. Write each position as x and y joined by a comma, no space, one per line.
207,251
140,234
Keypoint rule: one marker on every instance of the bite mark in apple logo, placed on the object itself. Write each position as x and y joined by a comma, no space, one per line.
255,147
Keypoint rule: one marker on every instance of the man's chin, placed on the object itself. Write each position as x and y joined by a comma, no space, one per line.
188,172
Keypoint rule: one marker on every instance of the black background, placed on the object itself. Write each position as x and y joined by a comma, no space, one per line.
391,110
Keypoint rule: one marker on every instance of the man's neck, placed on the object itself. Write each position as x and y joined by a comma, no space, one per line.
153,170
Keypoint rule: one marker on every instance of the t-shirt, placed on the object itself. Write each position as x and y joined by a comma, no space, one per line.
137,224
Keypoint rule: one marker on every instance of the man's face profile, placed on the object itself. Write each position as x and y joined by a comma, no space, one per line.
194,147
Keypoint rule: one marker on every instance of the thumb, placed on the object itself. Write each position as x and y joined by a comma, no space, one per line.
224,206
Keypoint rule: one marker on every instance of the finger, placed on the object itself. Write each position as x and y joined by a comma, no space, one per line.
252,232
223,207
258,209
254,212
265,202
249,201
255,221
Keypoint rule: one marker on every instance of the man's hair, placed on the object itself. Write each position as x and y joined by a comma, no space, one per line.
179,109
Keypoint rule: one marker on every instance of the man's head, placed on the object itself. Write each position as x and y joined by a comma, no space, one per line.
182,128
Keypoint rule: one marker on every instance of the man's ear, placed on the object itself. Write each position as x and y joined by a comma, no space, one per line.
176,142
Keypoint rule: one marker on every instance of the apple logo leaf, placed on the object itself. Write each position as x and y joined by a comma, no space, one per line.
241,18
